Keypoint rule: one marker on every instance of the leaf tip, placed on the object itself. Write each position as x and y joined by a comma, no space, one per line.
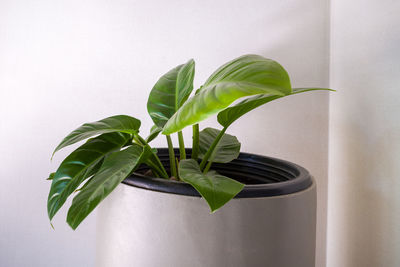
212,210
51,176
72,222
73,227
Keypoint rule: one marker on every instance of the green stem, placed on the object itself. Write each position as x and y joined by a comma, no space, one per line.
158,165
141,140
177,167
157,170
171,156
195,145
154,169
136,140
163,171
212,148
207,167
182,151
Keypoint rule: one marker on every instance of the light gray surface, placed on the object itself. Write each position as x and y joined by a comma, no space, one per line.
138,227
364,151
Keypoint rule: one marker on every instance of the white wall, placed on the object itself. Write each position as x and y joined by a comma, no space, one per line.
63,63
364,169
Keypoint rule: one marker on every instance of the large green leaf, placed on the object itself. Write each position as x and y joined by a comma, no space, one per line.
216,189
115,169
79,165
119,123
253,69
170,92
154,132
231,114
228,147
245,76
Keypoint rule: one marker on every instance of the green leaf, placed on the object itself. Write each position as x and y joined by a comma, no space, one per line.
245,76
88,180
228,147
170,92
80,165
216,189
231,114
119,123
154,132
115,169
303,90
253,69
51,176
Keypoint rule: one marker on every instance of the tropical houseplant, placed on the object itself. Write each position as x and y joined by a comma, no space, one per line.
115,149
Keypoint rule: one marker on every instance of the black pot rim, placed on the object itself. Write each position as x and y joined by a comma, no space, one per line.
290,177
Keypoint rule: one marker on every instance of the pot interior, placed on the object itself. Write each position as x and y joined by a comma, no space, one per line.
263,176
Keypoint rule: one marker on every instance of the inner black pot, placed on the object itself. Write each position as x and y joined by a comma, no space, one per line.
263,176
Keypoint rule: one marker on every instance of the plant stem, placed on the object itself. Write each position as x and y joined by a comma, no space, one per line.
136,140
207,167
141,139
157,166
157,170
177,168
195,145
164,173
171,156
212,148
154,169
182,151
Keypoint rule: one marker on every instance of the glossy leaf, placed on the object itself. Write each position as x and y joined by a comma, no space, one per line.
252,69
114,170
80,165
89,180
170,92
154,132
228,147
119,123
215,188
245,76
231,114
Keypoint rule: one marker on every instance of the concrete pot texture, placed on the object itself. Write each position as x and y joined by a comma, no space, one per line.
154,222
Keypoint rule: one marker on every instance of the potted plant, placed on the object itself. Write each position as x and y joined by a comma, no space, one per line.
159,218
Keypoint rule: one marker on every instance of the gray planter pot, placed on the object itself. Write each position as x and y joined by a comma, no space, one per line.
153,222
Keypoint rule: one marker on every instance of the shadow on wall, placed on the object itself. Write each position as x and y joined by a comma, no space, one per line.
371,209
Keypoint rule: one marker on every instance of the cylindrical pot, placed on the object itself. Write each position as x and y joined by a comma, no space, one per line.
154,222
